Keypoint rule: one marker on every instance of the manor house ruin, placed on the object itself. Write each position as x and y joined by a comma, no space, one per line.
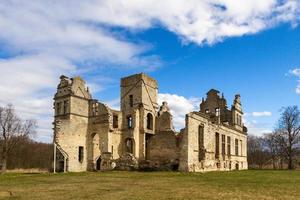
90,136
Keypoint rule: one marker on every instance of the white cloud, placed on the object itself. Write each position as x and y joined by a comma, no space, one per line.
43,39
206,21
296,72
297,90
259,114
257,127
114,104
179,106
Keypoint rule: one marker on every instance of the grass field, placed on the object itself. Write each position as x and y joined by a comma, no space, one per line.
250,184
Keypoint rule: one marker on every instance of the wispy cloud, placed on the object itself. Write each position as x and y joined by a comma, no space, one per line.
114,104
202,22
296,72
259,114
42,40
179,107
258,122
257,127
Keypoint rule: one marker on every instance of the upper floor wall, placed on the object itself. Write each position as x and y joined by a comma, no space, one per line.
215,106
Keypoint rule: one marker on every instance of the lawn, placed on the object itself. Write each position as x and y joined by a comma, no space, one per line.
250,184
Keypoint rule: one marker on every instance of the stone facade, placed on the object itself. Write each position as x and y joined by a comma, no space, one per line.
214,138
88,135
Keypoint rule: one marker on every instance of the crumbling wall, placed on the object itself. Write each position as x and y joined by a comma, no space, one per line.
212,161
127,162
164,151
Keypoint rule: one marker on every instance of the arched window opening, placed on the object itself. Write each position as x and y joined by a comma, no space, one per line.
129,121
149,121
129,145
93,150
237,166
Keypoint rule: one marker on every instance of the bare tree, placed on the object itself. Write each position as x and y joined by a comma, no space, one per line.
12,128
257,155
271,142
288,133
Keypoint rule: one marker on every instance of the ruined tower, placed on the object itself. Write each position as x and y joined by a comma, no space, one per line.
139,109
237,113
71,105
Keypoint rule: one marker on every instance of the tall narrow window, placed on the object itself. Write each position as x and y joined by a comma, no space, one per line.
206,111
236,147
241,147
131,100
237,119
201,142
95,109
149,121
217,110
66,106
217,145
80,154
228,146
115,121
129,145
58,108
223,144
129,121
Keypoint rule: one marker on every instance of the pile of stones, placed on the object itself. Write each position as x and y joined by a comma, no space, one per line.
127,162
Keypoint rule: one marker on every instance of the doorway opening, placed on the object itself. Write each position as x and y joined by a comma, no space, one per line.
147,148
237,166
98,164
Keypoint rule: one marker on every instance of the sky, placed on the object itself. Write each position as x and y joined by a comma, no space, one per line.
248,47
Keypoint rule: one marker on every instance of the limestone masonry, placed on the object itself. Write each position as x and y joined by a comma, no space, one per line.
89,136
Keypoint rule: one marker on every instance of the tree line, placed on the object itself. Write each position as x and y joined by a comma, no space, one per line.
17,150
279,149
29,154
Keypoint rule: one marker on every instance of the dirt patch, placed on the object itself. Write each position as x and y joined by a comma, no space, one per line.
5,194
28,171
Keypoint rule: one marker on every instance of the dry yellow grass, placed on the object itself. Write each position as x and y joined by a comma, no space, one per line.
265,184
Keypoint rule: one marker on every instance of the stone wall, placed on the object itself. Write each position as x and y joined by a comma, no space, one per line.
163,150
189,155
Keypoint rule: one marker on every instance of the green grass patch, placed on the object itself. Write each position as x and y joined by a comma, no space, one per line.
252,184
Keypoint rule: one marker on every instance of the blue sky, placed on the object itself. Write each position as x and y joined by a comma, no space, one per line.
249,47
256,66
